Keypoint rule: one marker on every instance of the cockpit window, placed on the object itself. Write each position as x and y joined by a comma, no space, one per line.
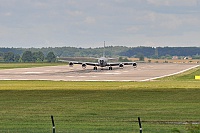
101,61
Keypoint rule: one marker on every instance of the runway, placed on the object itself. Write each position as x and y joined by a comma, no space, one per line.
144,72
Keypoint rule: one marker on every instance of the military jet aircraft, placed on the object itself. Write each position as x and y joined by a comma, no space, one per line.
102,62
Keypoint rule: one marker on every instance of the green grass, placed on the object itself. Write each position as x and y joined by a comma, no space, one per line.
62,85
104,111
186,76
26,106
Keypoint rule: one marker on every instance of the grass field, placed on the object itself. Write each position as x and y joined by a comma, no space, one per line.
164,105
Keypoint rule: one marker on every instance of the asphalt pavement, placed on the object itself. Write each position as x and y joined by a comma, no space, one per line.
143,72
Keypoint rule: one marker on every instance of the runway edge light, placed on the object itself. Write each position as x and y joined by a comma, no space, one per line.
197,77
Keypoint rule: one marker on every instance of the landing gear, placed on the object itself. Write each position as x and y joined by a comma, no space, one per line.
95,68
110,68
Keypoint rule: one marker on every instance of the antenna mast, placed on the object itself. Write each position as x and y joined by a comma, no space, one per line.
104,50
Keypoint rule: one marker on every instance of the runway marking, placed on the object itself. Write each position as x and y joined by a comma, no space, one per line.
170,74
81,76
70,76
33,72
101,80
113,73
109,80
6,72
108,73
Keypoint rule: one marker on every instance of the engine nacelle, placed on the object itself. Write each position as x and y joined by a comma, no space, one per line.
121,65
134,65
71,64
84,65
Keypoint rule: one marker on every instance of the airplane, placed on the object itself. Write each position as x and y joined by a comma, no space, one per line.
103,62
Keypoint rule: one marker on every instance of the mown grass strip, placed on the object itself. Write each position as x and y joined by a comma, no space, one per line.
186,76
62,85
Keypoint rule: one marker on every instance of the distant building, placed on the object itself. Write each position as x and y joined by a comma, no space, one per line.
187,58
174,57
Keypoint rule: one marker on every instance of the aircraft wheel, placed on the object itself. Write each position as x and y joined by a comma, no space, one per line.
95,68
110,68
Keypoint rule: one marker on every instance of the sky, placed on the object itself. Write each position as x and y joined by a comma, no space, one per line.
88,23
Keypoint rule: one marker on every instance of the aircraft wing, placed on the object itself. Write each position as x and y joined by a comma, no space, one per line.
91,63
74,62
86,63
129,63
121,63
78,62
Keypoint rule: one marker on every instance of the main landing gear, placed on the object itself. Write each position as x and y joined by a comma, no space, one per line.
95,68
110,68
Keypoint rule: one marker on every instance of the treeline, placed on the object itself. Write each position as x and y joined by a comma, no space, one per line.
28,56
110,51
71,51
161,52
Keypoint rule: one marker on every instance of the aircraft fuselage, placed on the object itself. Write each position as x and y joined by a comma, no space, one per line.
102,61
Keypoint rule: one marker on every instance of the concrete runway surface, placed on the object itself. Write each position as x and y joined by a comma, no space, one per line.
143,72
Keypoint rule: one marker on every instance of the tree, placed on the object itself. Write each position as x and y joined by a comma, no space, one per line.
9,57
27,56
17,58
121,59
51,57
38,56
140,56
1,54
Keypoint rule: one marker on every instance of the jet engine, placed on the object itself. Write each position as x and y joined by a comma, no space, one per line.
71,64
84,65
121,65
135,65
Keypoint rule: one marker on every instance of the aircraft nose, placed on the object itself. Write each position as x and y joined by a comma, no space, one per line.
101,61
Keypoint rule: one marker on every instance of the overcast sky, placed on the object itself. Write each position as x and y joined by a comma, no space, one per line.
88,23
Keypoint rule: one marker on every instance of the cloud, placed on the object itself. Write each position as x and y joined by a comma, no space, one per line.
6,14
74,13
128,22
173,2
89,20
